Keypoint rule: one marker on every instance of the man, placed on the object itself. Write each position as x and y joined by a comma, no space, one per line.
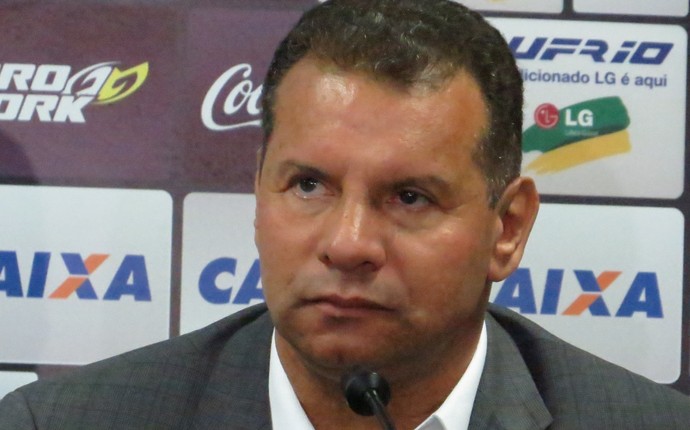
388,201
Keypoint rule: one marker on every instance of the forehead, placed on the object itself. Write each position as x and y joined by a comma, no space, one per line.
316,101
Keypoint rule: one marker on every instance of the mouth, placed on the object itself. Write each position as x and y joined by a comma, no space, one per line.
339,306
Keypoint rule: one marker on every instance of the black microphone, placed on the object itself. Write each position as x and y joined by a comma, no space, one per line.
367,394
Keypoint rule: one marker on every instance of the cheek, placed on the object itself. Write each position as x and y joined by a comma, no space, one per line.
267,234
446,269
271,225
281,249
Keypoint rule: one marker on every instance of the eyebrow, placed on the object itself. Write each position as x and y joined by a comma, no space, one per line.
288,166
427,181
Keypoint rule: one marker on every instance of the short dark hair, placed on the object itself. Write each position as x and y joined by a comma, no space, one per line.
410,43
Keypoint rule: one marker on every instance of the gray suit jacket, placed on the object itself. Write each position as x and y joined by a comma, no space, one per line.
216,378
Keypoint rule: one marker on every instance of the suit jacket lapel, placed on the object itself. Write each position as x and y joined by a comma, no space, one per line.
236,395
507,397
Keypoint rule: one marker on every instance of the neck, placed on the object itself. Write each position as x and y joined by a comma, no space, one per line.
417,391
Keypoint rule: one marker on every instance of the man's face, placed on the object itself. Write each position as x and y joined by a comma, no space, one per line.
372,222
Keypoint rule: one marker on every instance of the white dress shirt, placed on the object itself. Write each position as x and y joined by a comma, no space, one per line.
453,414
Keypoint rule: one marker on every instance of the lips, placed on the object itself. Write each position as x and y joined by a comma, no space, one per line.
342,306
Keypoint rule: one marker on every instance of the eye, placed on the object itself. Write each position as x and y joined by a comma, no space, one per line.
307,187
413,199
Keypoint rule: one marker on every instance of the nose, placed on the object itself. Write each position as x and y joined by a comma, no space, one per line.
352,240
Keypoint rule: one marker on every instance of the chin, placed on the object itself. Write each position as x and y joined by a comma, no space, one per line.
338,357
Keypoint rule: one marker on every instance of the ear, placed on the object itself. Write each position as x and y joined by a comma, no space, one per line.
516,210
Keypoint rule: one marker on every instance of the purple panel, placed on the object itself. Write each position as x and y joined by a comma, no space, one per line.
56,62
229,52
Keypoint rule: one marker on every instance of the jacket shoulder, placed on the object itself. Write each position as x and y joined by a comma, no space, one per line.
577,386
153,386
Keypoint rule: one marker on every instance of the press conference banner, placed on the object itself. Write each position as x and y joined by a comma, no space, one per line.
128,138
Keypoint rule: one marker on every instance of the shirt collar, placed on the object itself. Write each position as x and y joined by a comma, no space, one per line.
286,411
453,414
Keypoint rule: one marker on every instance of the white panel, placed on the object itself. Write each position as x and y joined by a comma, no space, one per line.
642,65
47,235
218,254
645,245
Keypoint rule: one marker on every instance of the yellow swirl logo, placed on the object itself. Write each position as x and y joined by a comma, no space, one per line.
119,84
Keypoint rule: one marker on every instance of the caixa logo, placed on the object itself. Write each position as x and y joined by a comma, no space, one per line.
642,296
231,95
213,293
548,48
54,93
129,280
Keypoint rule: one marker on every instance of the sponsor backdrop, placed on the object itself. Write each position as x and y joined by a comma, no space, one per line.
128,137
